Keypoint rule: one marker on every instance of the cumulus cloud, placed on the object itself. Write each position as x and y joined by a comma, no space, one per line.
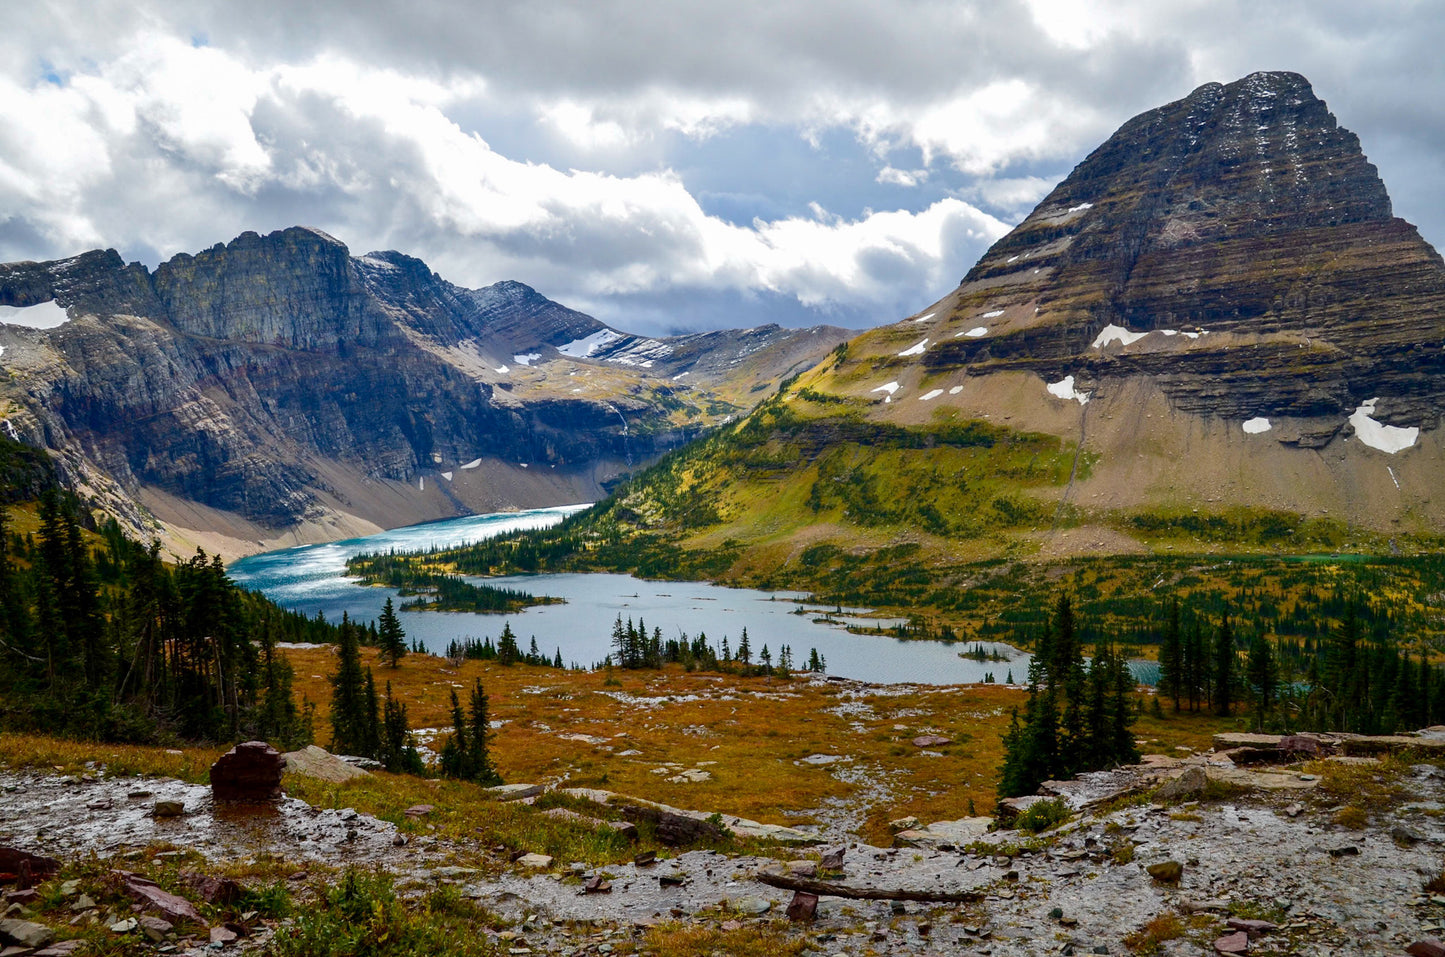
594,150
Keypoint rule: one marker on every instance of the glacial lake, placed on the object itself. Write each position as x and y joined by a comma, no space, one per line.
312,578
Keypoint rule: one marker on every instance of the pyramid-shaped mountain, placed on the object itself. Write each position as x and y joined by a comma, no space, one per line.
1241,213
1213,333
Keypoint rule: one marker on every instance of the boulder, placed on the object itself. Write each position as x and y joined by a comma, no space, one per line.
250,773
1166,872
1428,947
931,741
24,933
169,809
1235,943
515,792
803,907
172,907
626,828
1187,787
25,868
155,928
318,763
962,831
61,948
212,889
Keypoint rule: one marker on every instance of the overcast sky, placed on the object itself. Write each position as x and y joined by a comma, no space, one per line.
662,164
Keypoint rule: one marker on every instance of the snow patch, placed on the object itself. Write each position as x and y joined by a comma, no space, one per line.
1377,435
975,332
890,388
526,360
927,396
679,376
45,315
472,464
1392,477
955,390
503,370
1064,389
1011,259
1257,425
421,484
992,314
1081,207
447,476
915,350
582,348
1113,333
925,317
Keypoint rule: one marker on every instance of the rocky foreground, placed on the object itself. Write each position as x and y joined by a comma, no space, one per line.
1304,845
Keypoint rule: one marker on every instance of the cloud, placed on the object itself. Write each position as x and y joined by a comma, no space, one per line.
645,153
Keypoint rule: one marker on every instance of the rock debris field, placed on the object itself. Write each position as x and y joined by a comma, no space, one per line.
1260,849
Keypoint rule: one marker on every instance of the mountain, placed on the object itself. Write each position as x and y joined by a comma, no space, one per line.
1212,334
277,389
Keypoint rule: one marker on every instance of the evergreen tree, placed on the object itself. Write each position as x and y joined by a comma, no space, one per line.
370,720
1262,676
479,736
1171,658
508,652
398,748
745,651
1225,658
391,639
349,730
453,755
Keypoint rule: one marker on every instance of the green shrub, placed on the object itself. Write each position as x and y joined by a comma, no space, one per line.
1042,815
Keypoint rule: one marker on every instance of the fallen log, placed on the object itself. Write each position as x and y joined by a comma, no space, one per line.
788,882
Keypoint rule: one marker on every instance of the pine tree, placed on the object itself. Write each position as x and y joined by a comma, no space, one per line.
508,653
1171,658
1263,680
348,693
398,749
370,719
453,756
479,735
1122,749
745,650
391,639
1225,658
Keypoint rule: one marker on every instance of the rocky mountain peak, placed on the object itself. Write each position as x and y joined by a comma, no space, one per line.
1241,209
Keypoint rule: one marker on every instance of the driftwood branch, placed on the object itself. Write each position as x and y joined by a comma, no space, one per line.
788,882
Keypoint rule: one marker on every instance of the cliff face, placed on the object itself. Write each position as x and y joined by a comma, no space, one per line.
279,380
1247,234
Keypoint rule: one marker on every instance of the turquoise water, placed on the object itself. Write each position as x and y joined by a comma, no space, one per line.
311,579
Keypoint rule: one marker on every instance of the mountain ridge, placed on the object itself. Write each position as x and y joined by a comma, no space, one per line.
277,389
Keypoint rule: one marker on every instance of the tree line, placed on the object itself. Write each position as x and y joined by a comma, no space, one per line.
635,649
112,643
1353,677
369,725
1077,718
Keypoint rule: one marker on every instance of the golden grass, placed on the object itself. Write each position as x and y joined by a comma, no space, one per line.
1147,939
749,734
192,764
769,939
